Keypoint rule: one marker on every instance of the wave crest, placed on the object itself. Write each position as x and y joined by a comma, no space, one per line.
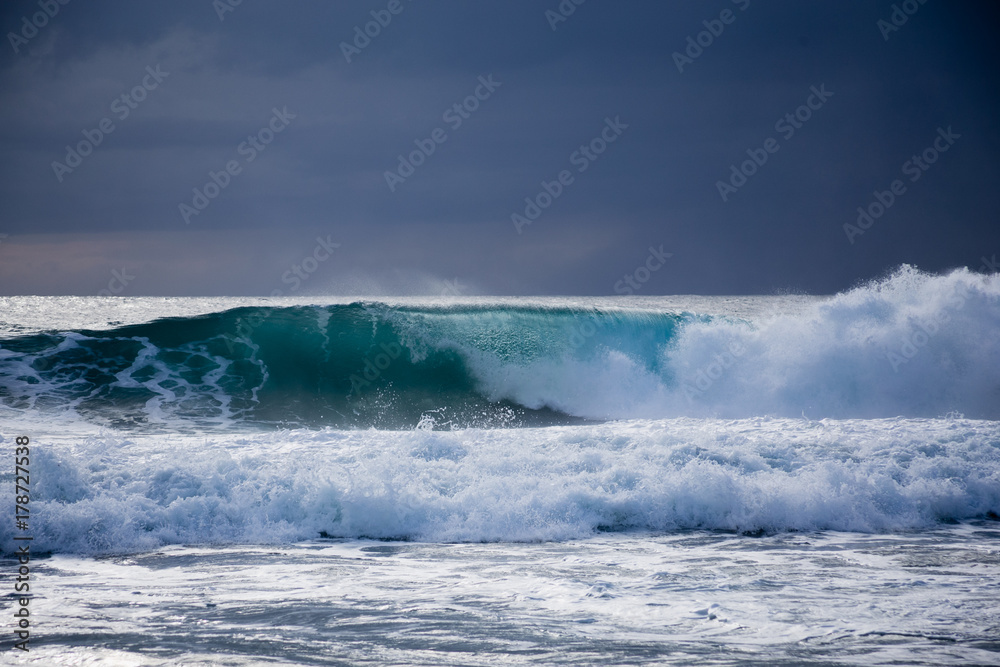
912,344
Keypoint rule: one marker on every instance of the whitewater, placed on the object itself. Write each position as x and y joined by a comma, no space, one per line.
622,480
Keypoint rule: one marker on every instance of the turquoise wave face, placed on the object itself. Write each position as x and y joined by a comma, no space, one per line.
357,365
912,345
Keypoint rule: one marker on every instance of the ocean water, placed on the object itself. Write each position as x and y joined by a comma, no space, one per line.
481,481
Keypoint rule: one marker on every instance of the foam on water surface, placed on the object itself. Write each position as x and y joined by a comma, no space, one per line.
928,598
113,493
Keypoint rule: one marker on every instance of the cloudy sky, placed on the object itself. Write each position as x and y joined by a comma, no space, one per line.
518,146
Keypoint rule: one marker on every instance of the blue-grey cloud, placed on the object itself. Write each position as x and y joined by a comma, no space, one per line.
690,118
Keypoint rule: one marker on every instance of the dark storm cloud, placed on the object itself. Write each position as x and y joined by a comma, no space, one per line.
655,184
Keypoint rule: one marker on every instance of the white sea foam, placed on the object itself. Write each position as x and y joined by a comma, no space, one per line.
107,493
913,344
